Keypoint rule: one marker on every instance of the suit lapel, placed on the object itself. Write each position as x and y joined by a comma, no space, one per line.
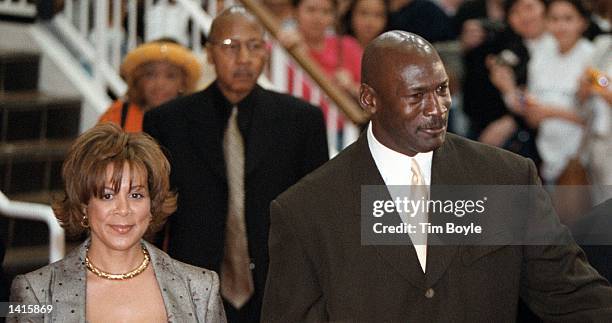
401,258
446,169
171,285
206,128
69,286
261,132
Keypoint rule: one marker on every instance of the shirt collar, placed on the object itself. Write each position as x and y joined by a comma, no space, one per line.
393,166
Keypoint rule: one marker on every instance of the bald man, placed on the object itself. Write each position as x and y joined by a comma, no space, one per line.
322,271
283,139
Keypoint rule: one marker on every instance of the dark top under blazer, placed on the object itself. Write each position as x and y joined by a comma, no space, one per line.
286,140
320,272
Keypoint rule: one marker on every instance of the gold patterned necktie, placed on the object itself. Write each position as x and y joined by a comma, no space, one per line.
419,191
236,277
417,176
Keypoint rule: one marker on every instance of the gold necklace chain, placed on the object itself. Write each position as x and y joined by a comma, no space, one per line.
128,275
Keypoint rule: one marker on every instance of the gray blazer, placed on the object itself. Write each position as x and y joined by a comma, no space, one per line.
191,294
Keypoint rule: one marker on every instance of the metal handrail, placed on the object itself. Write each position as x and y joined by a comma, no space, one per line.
37,212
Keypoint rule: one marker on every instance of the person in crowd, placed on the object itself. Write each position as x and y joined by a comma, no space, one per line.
476,20
595,92
343,6
155,72
117,189
167,19
366,19
321,272
602,15
282,9
449,7
422,17
550,104
491,121
338,56
233,147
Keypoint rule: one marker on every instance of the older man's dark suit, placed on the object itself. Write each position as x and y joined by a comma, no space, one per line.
286,140
319,271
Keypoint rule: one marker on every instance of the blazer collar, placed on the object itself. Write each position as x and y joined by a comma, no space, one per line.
207,127
174,289
70,283
71,280
261,131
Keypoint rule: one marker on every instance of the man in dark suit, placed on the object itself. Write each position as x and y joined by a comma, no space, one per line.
593,233
284,139
319,269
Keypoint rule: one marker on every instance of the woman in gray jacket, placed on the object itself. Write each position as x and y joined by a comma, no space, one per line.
117,189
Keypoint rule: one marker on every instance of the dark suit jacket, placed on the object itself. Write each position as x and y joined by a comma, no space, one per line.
594,234
286,141
319,271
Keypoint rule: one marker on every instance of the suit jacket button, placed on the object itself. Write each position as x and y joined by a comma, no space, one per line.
252,266
429,293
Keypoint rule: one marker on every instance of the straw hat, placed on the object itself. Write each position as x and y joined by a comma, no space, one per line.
163,51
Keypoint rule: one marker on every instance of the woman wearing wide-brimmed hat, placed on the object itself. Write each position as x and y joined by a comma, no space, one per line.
156,72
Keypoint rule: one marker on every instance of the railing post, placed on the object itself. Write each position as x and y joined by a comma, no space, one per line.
132,31
278,67
212,7
148,4
69,10
84,18
101,40
116,43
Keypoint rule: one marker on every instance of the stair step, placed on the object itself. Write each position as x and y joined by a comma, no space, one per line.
41,197
22,233
34,149
19,71
32,166
34,115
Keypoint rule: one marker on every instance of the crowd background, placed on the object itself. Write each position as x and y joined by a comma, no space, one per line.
497,53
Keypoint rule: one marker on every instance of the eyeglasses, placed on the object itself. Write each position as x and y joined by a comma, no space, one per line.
255,47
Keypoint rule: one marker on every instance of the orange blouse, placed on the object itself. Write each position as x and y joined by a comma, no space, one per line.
133,119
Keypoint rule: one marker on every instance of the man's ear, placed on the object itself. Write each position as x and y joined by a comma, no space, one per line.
367,98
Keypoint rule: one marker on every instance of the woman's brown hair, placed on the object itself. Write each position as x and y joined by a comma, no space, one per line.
85,174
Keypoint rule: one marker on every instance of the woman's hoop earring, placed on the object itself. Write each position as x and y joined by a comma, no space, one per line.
85,221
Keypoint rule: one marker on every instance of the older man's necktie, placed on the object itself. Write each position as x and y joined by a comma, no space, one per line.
236,277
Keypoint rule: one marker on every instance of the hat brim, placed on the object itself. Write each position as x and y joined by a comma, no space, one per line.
163,51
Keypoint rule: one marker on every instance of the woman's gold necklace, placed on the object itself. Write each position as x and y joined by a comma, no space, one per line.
128,275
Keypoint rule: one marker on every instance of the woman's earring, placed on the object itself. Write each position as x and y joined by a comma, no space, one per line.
85,221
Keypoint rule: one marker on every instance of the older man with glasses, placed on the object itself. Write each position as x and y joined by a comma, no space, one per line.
233,148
